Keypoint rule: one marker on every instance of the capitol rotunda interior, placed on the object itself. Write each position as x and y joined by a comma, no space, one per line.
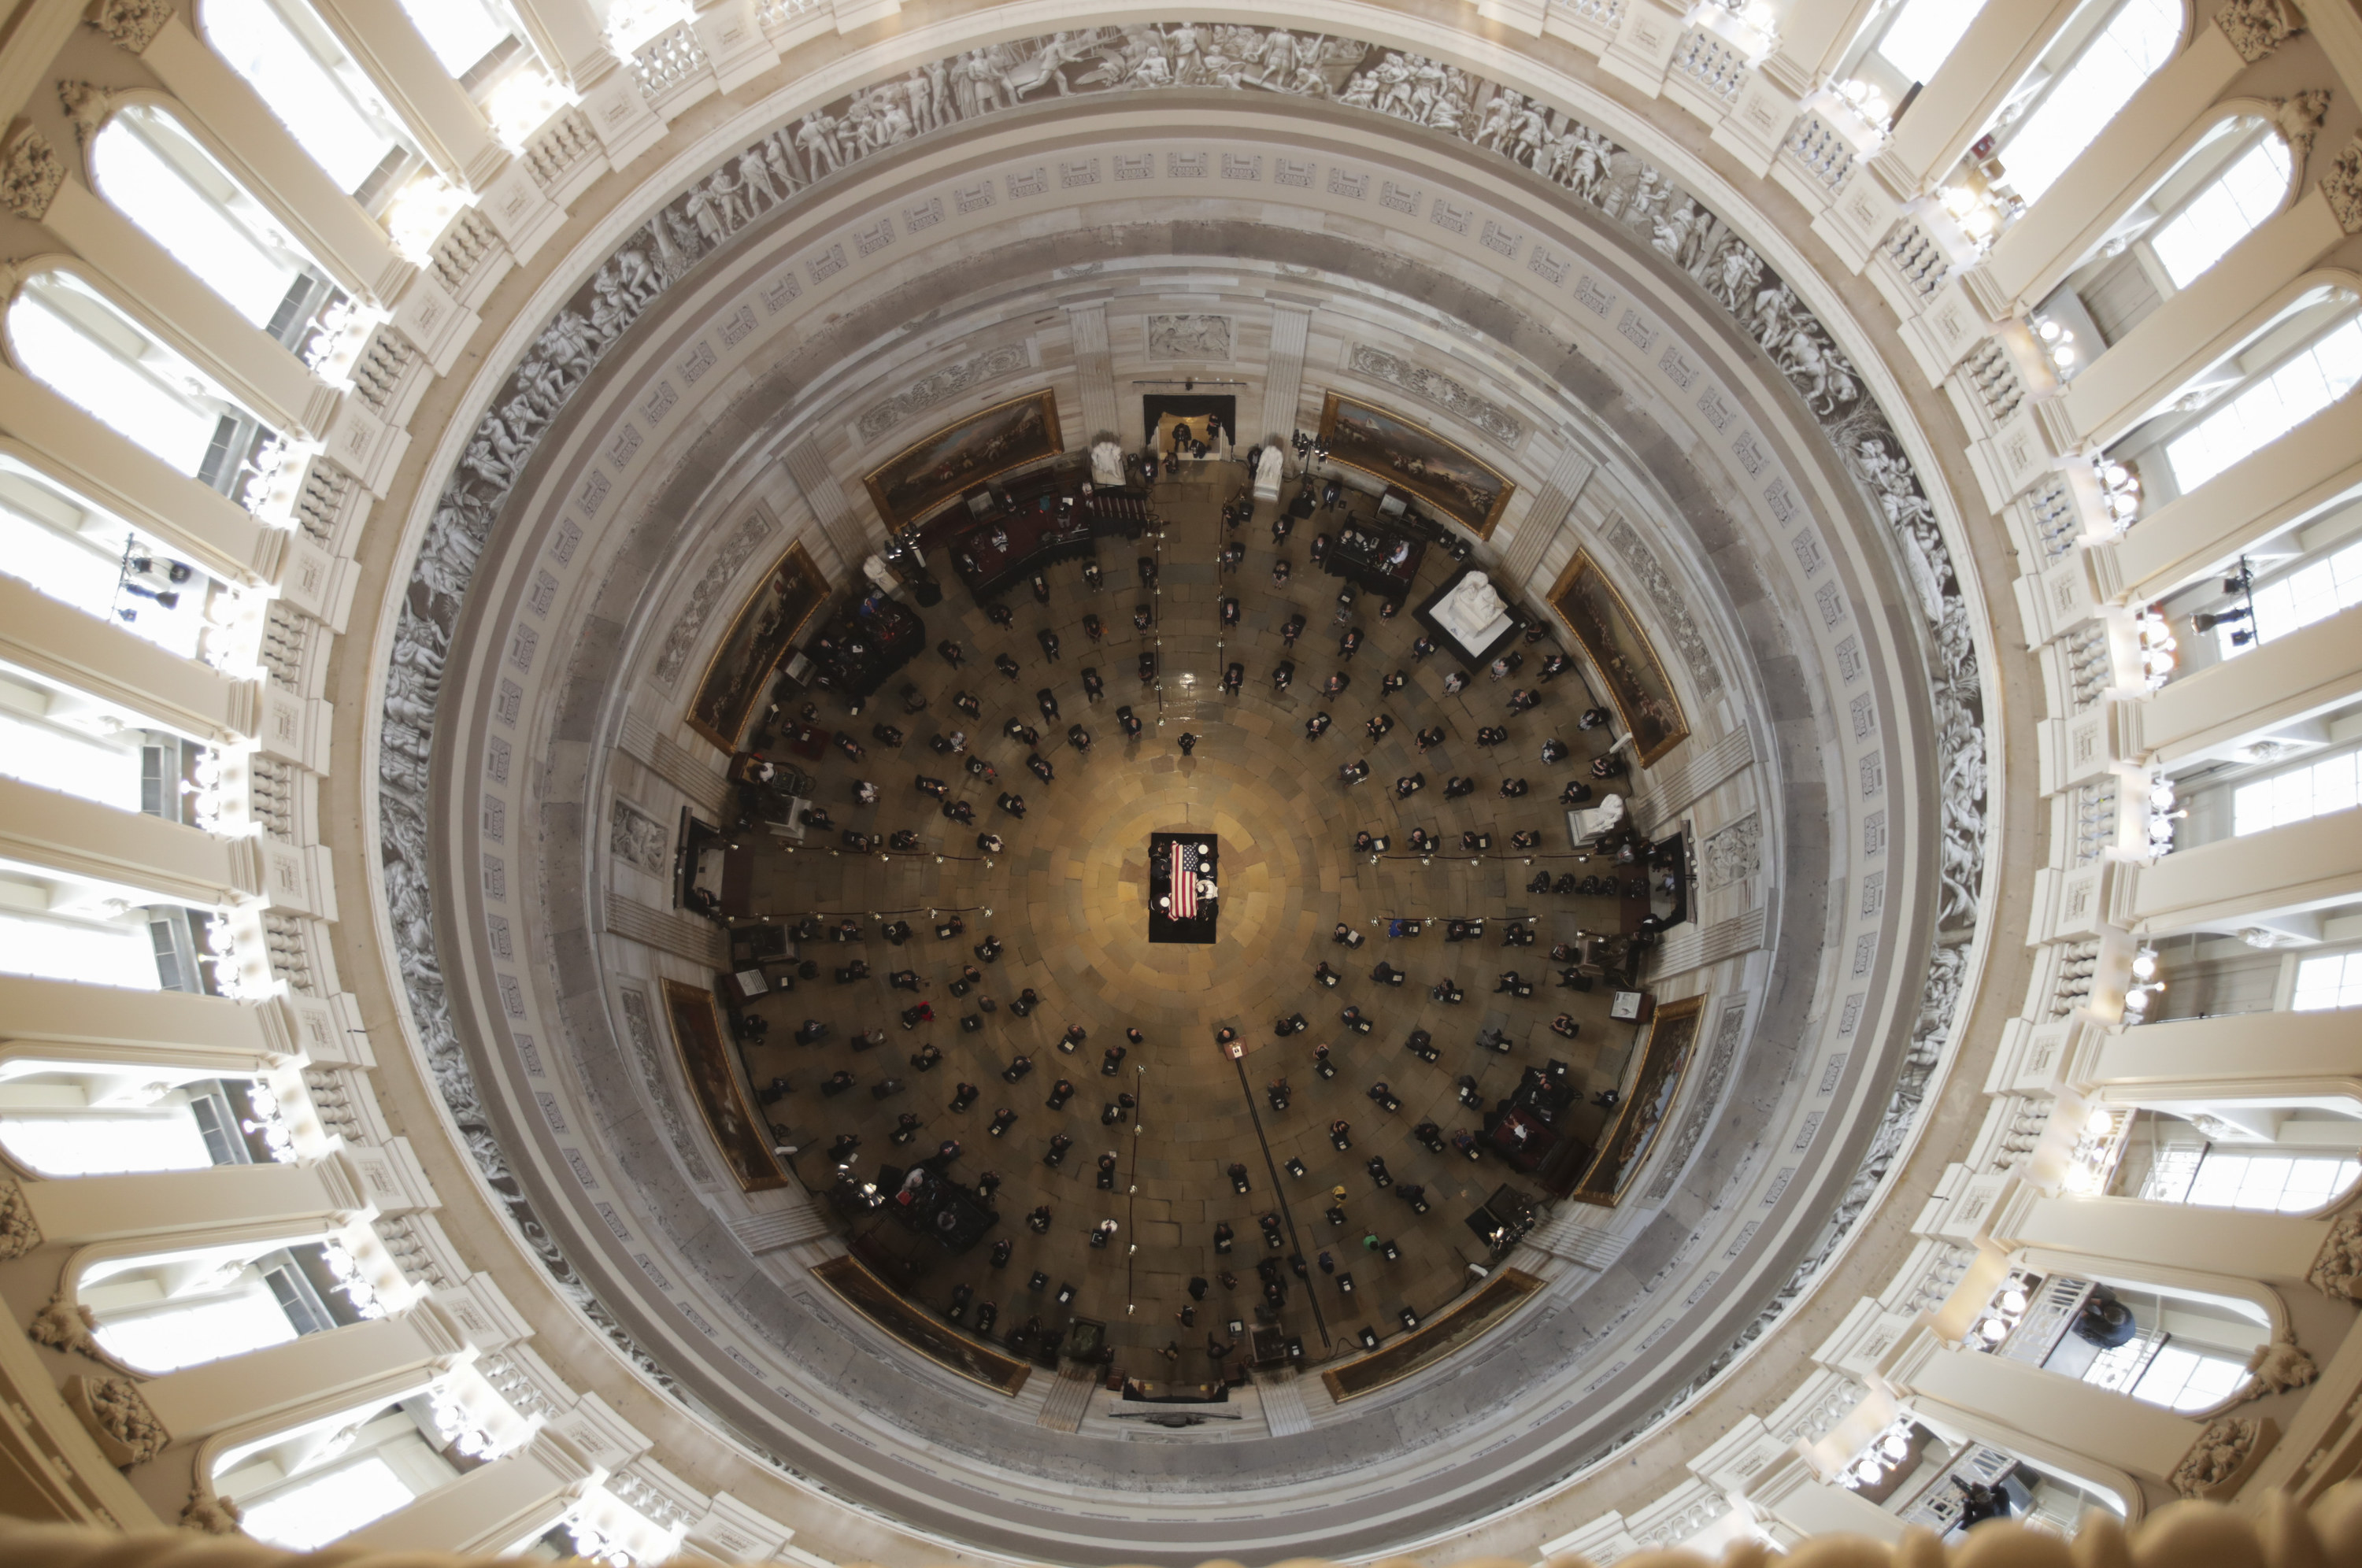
911,781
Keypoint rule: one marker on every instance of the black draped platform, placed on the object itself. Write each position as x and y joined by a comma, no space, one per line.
1205,853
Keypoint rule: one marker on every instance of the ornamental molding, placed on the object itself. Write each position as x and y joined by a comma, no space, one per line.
2256,28
132,23
30,174
1435,387
992,365
117,1416
20,1232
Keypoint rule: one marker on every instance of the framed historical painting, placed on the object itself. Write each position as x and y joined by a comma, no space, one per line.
744,1143
765,627
925,474
1600,620
1412,457
1647,1102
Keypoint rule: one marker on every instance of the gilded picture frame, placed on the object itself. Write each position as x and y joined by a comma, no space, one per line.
1598,619
1411,457
968,452
1648,1103
766,626
697,1034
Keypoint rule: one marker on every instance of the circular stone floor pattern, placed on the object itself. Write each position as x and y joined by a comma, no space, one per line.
1069,897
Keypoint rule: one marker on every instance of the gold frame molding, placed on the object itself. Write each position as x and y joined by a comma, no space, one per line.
1690,1011
676,994
1680,731
807,569
1047,397
1483,530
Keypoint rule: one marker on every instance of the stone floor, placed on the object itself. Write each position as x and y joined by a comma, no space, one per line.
1067,899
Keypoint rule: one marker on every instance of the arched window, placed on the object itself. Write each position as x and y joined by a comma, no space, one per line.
1923,34
150,167
462,33
321,1483
55,926
71,550
2083,92
2223,212
2271,404
318,92
183,1308
64,333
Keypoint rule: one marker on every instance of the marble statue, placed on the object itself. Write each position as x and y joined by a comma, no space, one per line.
1472,612
1266,475
1107,463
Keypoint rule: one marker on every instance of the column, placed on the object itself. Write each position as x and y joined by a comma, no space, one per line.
2214,711
189,316
57,1021
1815,36
1991,59
31,35
1087,330
79,1210
2239,881
194,520
1791,1493
2203,533
328,221
2013,1400
2130,154
384,1358
2276,1248
53,638
450,129
1283,376
2201,323
1548,512
569,37
84,838
517,1498
2255,1056
848,534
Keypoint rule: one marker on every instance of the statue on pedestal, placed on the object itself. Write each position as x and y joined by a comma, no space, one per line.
1266,475
1107,463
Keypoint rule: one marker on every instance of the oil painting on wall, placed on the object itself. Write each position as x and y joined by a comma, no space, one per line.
1600,620
1417,459
1648,1101
924,475
757,640
706,1061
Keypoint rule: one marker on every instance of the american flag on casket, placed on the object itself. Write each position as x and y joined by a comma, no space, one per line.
1185,881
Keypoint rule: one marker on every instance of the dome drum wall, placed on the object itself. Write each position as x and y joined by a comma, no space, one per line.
608,601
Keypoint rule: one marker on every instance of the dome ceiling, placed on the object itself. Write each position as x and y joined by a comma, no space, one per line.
1520,279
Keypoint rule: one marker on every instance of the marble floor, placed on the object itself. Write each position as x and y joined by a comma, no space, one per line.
1066,898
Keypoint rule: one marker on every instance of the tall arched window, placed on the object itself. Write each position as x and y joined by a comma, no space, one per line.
184,1307
462,33
54,926
318,92
69,547
1924,33
325,1481
65,333
150,167
2083,92
2223,211
2272,402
